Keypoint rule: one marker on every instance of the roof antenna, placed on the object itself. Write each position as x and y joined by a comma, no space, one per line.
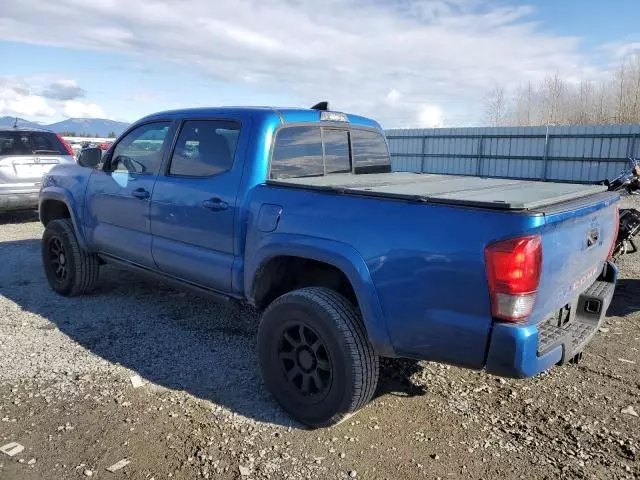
324,106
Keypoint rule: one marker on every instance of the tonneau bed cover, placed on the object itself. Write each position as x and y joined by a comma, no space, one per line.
507,194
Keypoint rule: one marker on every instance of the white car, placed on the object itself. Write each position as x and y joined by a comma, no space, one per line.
26,154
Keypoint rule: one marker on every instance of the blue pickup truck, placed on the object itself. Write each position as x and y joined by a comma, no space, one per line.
297,212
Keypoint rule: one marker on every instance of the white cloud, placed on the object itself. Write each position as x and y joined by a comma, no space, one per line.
28,105
426,116
393,97
63,90
440,53
626,50
77,109
430,116
16,99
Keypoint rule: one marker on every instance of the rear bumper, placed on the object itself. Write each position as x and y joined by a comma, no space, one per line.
19,201
523,351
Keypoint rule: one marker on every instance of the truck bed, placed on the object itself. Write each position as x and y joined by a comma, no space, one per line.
504,194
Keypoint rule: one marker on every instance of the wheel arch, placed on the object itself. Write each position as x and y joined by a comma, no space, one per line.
336,255
56,203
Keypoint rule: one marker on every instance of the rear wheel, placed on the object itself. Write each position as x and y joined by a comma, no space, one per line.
315,357
69,269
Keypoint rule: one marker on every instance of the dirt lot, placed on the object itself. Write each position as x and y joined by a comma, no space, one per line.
66,394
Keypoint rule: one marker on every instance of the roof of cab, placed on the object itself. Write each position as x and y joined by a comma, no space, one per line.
25,129
286,115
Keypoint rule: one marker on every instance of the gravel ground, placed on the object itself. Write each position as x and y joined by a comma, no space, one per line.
202,412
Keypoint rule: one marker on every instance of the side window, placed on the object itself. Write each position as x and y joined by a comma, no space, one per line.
370,154
336,150
297,153
204,148
141,150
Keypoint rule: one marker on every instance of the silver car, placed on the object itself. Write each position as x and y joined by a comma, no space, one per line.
25,155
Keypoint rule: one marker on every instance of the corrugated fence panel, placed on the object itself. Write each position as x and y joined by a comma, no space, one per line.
576,153
409,150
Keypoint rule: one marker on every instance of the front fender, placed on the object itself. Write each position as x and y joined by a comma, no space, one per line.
63,195
337,254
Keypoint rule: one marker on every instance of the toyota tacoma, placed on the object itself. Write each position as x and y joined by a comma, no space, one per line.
297,212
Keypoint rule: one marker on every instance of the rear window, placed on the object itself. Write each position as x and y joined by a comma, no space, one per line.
336,150
297,153
30,143
370,152
313,151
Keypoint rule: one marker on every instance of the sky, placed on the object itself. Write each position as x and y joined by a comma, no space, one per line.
407,63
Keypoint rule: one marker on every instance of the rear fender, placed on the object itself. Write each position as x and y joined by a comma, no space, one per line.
337,254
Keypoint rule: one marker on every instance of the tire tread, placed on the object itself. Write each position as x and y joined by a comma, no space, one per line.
87,264
348,322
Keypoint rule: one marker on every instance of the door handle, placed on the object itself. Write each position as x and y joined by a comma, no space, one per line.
140,193
215,204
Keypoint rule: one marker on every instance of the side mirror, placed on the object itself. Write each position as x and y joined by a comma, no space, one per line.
90,157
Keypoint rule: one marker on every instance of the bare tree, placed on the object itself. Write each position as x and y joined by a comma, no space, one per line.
620,100
552,91
577,104
495,105
523,113
600,110
635,94
612,99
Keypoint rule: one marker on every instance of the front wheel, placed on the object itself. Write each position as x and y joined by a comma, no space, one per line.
70,270
315,357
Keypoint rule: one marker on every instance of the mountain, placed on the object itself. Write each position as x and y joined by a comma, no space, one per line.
88,126
10,122
91,126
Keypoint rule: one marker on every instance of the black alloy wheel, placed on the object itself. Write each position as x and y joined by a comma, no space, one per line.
58,258
305,359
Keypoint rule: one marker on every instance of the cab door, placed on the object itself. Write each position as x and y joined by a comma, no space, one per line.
193,205
119,196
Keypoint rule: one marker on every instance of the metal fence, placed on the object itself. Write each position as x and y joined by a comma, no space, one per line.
555,153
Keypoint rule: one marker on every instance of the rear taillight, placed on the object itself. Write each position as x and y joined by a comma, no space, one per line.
513,273
615,233
66,145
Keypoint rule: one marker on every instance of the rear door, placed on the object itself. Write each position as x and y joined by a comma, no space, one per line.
119,196
194,203
26,155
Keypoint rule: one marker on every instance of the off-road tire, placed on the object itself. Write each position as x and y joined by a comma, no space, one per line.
331,318
82,267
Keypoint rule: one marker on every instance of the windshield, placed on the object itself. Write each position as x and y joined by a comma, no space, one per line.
30,143
310,151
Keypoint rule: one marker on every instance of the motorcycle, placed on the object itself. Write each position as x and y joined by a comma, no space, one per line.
627,181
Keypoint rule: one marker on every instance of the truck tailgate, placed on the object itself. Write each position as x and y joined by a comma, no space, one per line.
576,241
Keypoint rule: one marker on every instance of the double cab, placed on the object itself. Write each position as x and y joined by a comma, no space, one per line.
297,212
